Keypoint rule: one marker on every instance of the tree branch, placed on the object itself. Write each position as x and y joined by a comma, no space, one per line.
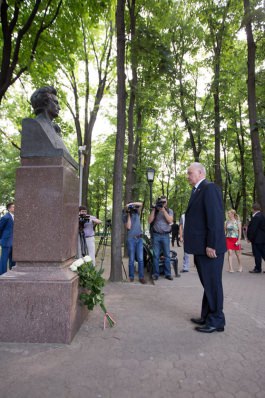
10,140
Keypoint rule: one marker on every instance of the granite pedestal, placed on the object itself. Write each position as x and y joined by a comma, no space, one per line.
39,296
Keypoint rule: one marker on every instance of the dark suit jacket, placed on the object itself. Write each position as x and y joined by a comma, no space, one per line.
6,230
204,220
256,229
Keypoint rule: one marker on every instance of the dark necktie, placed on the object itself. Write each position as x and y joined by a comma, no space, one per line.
192,194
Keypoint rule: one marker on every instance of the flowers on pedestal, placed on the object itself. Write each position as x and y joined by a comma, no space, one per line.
92,283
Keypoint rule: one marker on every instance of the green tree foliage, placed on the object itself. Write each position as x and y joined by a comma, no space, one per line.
22,26
185,89
9,162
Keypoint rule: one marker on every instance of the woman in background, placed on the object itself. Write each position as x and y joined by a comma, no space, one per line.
233,232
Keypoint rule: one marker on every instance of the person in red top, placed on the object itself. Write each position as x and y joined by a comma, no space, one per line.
233,232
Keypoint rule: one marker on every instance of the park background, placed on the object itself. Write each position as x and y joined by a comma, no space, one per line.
141,84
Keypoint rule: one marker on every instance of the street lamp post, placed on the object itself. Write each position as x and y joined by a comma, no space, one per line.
150,175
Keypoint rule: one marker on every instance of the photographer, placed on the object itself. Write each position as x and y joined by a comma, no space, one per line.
160,219
86,233
131,219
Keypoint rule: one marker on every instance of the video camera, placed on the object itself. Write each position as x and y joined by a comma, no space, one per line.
159,203
108,223
132,209
83,218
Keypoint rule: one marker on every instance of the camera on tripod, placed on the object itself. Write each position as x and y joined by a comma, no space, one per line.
108,224
83,218
159,203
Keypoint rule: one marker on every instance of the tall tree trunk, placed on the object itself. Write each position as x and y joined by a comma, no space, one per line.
252,110
196,147
89,124
217,133
88,139
136,153
217,36
116,253
241,146
89,120
131,166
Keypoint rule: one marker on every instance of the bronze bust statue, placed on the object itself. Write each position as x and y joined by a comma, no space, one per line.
41,137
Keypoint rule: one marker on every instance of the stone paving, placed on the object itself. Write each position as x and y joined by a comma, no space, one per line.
154,350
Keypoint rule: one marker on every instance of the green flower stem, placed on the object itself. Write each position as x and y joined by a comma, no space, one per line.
92,283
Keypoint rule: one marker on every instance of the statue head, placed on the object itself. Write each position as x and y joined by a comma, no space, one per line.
44,101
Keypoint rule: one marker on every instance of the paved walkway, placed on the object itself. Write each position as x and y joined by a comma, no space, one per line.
153,351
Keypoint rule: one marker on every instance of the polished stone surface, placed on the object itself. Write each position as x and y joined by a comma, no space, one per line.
46,220
40,295
40,307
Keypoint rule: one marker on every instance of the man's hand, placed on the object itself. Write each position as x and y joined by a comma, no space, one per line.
211,252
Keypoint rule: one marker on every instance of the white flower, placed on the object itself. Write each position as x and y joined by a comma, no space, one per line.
73,267
87,259
76,264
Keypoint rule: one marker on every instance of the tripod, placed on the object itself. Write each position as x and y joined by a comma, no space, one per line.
104,241
103,244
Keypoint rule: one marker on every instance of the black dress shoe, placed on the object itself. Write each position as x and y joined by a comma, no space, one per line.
255,271
198,321
169,277
209,329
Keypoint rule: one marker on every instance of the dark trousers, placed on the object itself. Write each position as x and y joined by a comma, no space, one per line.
173,238
210,274
5,257
258,250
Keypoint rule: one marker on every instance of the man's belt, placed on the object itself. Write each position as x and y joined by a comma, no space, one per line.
161,233
138,236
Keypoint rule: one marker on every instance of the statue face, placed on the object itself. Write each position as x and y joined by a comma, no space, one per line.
53,106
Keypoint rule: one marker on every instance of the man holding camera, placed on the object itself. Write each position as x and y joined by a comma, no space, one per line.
131,218
87,233
160,220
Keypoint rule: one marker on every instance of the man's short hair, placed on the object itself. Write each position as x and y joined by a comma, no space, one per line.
41,97
199,166
256,206
163,197
9,205
82,208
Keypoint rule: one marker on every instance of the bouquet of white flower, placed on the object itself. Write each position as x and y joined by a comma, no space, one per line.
92,282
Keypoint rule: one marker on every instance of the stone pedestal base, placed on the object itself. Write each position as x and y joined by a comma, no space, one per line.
40,307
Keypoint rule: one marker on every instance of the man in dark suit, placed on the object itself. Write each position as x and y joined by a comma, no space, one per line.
175,233
204,237
256,235
6,238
